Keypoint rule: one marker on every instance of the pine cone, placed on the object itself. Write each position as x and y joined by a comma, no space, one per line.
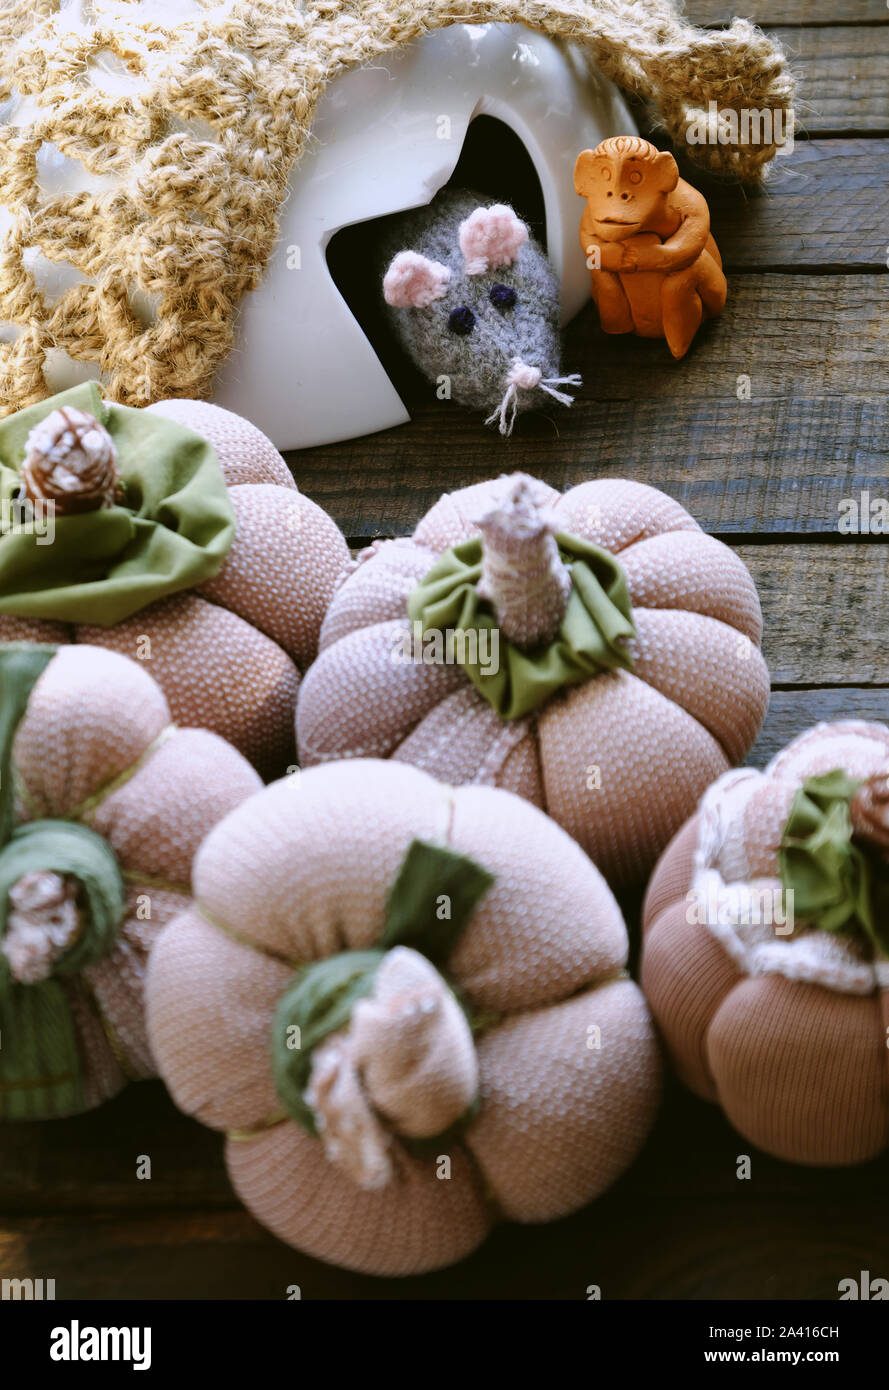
869,812
70,460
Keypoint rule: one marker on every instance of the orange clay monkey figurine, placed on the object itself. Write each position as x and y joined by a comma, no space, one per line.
655,267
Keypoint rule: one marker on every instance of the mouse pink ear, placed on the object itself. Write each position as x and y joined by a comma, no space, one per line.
490,237
413,281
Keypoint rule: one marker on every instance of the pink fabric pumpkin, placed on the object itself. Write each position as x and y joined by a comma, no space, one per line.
619,758
773,1010
228,654
427,1117
96,761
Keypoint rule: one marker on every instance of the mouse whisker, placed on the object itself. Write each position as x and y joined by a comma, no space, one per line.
507,410
548,383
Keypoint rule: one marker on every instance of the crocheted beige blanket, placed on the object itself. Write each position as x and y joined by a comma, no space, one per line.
204,144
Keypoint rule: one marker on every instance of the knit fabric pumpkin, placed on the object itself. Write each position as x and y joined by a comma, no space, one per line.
407,1005
766,957
595,652
178,538
103,802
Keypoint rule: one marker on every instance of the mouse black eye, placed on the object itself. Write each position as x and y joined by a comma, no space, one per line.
502,296
461,320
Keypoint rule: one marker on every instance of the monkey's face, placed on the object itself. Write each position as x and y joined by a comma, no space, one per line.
625,193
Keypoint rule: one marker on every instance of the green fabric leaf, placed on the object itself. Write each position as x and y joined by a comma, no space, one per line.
318,1002
415,914
597,622
66,847
41,1070
320,999
830,875
21,665
172,531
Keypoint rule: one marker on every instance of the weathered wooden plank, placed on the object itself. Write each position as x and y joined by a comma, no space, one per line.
817,603
826,206
56,1177
842,69
844,76
793,711
842,73
90,1161
813,432
64,1171
771,12
632,1243
810,351
819,606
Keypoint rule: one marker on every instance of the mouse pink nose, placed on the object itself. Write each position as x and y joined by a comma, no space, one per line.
521,374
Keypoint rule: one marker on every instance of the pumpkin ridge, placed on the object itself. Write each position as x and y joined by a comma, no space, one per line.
74,947
712,722
793,1045
213,602
678,520
300,868
62,901
183,459
91,804
744,737
427,761
378,636
117,1048
752,628
242,939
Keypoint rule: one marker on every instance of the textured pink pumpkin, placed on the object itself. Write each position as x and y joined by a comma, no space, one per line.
228,654
618,759
560,1059
779,1021
97,749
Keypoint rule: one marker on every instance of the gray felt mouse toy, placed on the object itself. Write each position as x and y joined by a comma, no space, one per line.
475,301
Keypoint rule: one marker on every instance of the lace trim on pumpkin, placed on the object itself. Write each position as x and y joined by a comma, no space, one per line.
738,914
848,728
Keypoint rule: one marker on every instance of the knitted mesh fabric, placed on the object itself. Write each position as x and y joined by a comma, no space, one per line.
477,363
658,736
799,1068
194,220
93,717
227,655
304,870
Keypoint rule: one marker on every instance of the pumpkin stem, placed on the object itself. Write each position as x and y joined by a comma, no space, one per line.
523,575
71,461
43,923
869,813
405,1065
